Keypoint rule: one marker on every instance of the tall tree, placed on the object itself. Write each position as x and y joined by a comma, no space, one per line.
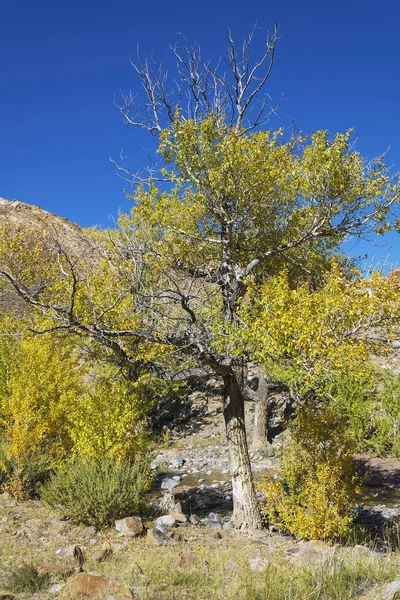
229,203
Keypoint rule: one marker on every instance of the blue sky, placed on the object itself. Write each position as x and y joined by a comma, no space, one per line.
62,63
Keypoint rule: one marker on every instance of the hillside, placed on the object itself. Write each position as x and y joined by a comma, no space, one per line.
40,225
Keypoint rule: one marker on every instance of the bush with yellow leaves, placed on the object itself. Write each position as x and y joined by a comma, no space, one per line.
44,379
56,407
317,495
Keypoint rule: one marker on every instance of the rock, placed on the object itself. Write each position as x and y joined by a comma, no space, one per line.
194,520
103,554
178,508
214,517
180,517
257,563
167,502
377,516
91,585
157,537
160,459
71,552
57,527
225,471
6,595
214,521
130,526
177,462
188,561
308,552
89,532
389,591
216,535
215,525
366,551
166,521
55,589
169,483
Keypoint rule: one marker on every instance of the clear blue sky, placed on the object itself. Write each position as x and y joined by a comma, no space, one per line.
62,62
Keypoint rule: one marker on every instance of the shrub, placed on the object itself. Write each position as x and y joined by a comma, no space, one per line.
121,406
97,493
44,379
386,419
317,495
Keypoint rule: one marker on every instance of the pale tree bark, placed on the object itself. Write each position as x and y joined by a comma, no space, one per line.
246,512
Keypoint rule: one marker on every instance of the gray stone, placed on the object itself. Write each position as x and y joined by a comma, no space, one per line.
389,591
157,537
166,521
169,483
67,552
56,588
89,531
194,520
177,462
215,518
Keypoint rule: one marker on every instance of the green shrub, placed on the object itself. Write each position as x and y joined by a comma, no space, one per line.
97,493
386,419
27,578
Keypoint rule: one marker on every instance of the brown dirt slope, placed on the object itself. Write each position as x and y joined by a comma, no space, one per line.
37,223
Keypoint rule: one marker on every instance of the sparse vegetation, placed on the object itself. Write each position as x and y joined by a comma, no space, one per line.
27,578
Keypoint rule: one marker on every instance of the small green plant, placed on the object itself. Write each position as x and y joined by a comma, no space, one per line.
27,578
97,493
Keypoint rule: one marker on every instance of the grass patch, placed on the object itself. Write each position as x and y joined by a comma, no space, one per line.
27,578
223,573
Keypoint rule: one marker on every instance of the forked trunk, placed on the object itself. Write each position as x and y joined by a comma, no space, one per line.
246,512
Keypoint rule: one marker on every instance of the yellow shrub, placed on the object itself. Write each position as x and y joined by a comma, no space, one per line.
317,495
45,378
109,420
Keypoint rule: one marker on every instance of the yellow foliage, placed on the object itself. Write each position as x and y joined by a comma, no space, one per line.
317,495
312,334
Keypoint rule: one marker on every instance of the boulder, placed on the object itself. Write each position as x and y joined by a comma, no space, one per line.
186,561
389,591
178,516
169,483
129,527
84,586
166,521
103,554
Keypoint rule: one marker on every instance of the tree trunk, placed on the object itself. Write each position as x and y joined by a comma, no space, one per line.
246,512
260,441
